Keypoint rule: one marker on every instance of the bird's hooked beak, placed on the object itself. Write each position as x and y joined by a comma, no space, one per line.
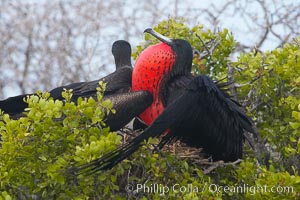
159,36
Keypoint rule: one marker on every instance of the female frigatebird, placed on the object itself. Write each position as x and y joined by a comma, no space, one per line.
187,108
118,84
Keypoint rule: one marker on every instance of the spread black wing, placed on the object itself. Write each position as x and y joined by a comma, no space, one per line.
117,82
14,105
201,116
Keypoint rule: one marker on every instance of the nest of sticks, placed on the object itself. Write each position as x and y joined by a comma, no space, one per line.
182,151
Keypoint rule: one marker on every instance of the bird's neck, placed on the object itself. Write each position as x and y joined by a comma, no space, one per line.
122,62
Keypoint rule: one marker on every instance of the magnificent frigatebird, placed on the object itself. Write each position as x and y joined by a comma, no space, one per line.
118,85
192,109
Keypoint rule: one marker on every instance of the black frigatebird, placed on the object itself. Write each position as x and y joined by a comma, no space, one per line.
192,109
118,85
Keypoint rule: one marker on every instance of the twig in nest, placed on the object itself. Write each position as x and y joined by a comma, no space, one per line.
129,131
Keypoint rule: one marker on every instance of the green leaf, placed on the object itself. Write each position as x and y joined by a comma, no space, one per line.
294,125
296,115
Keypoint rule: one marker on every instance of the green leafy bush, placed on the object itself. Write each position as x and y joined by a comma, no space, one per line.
37,150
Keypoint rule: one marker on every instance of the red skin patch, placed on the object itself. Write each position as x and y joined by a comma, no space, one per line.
149,69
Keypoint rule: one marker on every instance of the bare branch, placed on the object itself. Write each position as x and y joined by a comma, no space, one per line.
209,50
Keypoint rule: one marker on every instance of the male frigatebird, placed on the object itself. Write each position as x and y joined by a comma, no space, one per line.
118,84
187,108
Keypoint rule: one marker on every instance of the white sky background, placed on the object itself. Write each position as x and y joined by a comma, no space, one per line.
239,24
235,23
234,20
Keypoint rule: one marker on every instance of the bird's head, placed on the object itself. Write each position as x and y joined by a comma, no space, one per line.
179,48
121,51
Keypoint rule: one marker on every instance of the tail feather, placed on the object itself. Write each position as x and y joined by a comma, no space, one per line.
112,158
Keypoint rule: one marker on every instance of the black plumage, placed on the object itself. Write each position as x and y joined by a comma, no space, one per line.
196,111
